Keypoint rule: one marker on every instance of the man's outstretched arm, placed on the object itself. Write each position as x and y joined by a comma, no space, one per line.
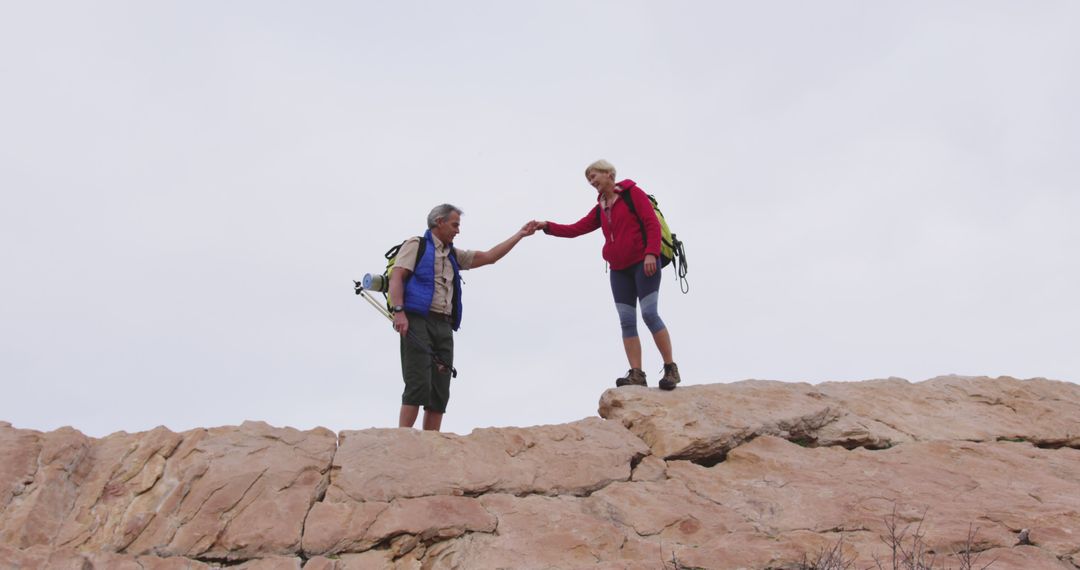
496,253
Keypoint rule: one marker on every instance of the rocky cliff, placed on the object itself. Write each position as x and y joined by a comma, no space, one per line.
748,475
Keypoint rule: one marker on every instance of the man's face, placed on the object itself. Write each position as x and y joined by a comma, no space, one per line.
601,180
448,228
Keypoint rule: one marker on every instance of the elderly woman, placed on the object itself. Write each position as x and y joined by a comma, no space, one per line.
632,248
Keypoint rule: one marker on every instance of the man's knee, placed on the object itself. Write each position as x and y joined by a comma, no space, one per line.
439,396
415,395
417,383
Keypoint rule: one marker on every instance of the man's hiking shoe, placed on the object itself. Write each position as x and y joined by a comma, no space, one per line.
671,377
634,377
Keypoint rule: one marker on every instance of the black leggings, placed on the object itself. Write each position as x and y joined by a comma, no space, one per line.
627,287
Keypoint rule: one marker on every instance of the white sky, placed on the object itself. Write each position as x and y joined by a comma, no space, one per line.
865,190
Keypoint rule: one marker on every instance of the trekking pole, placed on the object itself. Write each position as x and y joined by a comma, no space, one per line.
378,306
412,338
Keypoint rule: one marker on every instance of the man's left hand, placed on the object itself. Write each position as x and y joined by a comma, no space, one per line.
650,264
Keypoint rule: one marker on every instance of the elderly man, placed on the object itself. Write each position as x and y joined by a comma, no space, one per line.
425,287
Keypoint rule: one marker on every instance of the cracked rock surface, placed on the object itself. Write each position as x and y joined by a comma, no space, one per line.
702,423
751,475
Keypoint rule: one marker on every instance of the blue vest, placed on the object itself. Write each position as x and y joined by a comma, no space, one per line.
420,286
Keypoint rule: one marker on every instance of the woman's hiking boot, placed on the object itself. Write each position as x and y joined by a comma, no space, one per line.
671,377
634,377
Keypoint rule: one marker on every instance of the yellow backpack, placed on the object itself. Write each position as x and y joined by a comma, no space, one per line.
671,249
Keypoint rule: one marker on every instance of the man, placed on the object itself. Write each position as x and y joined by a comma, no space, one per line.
425,287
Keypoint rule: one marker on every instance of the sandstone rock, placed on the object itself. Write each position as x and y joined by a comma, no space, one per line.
768,473
1054,538
778,488
703,423
651,468
321,563
173,563
706,421
272,563
371,560
334,528
20,450
773,501
667,510
46,558
239,493
430,518
118,474
340,527
225,493
1020,557
41,484
543,532
1041,411
741,551
575,458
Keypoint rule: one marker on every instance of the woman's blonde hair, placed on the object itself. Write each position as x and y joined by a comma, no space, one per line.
600,166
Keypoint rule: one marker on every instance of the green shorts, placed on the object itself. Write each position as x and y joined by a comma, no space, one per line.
425,384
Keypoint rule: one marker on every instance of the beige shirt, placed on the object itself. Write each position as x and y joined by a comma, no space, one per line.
443,300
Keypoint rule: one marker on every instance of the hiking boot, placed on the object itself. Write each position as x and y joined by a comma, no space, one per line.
634,377
671,377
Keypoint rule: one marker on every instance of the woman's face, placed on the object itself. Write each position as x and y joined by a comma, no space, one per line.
602,181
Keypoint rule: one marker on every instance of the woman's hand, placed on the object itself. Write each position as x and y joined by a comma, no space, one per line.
530,228
650,264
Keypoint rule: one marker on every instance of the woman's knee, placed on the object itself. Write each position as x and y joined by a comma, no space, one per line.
650,313
627,319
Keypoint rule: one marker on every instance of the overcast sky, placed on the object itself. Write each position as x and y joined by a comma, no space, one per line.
189,188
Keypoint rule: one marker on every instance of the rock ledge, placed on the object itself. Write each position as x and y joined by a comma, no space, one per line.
750,475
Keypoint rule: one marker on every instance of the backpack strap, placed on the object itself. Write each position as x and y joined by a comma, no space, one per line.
391,254
420,249
641,222
633,209
625,194
393,251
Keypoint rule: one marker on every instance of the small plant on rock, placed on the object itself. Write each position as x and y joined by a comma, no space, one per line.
910,552
829,558
907,551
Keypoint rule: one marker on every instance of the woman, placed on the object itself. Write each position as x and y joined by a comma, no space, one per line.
632,248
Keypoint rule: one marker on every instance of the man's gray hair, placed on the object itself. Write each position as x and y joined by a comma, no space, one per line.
441,212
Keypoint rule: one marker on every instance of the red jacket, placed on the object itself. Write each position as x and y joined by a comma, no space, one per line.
623,245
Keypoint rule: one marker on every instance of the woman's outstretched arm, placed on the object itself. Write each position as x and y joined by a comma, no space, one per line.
589,223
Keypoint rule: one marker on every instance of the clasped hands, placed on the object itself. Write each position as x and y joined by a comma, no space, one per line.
530,228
